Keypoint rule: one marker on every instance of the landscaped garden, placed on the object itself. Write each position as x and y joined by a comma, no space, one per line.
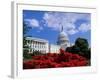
53,60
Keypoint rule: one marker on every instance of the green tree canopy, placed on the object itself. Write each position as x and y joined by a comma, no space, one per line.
82,44
81,47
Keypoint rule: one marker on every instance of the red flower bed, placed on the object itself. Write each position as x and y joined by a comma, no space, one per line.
53,60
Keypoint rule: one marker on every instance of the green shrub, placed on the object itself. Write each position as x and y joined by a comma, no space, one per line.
26,55
81,47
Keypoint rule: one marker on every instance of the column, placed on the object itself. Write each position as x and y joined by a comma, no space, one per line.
38,46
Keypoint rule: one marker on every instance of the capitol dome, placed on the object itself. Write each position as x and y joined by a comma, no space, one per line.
63,36
63,40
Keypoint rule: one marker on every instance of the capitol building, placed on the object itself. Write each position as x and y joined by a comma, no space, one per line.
63,40
43,46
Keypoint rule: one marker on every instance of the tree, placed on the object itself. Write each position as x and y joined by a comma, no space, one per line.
81,47
82,44
25,46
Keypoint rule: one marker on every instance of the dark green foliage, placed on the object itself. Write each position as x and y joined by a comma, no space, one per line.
75,49
81,47
82,44
88,54
26,55
25,30
24,43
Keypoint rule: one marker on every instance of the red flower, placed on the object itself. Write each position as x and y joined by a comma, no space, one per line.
53,60
62,51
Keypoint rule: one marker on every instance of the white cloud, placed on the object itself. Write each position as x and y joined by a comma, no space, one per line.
32,22
72,31
55,20
84,27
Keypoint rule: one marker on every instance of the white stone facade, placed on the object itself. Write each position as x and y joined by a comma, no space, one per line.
54,48
37,44
41,45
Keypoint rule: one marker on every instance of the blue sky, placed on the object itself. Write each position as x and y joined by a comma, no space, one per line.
47,25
